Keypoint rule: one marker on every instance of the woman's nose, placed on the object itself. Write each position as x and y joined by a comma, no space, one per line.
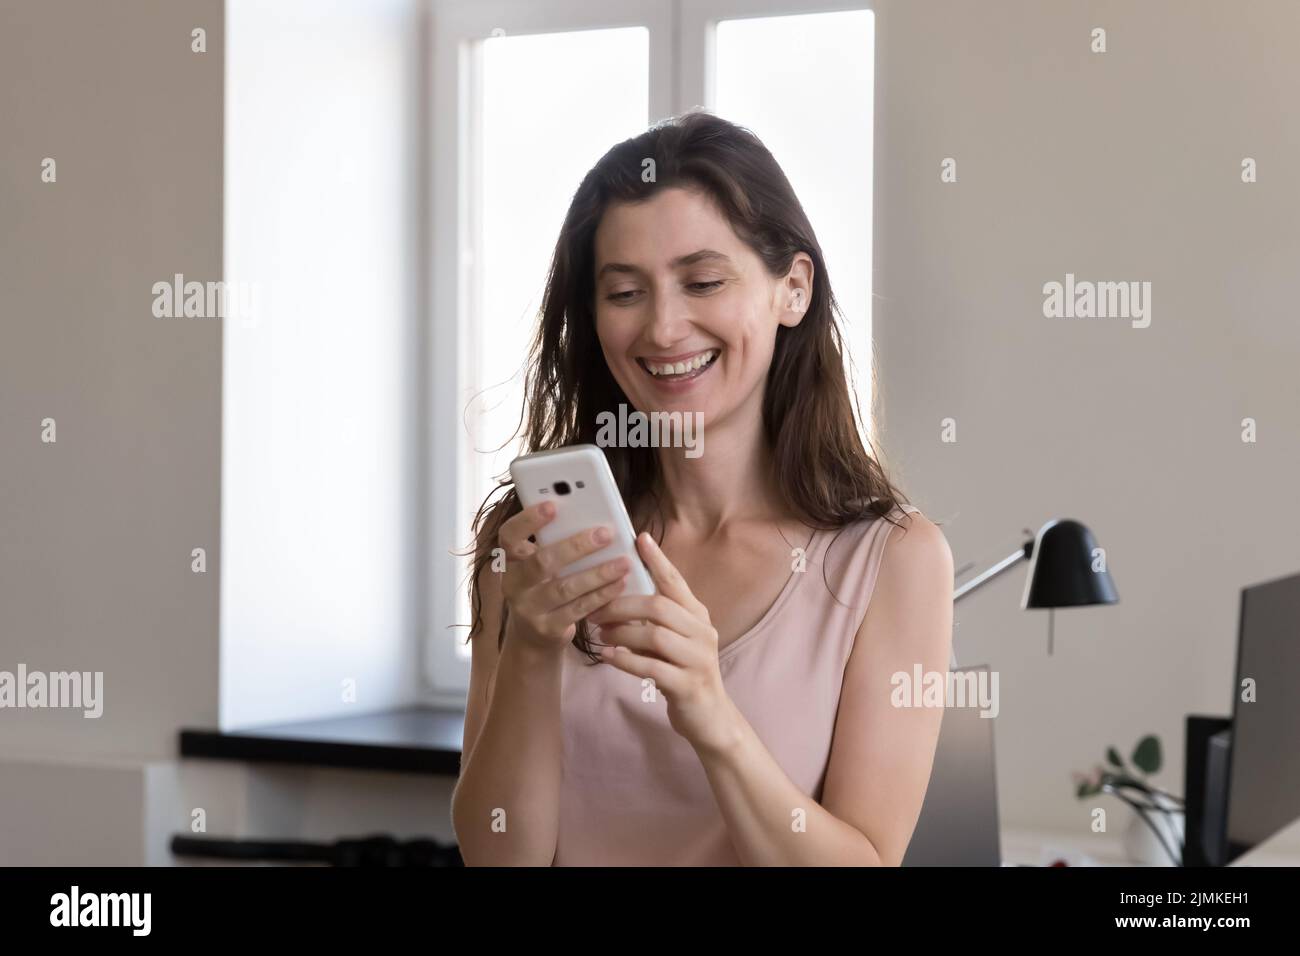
668,322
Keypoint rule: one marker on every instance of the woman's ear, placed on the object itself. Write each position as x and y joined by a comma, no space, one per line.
799,296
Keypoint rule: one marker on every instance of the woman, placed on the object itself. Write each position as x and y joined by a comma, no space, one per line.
744,714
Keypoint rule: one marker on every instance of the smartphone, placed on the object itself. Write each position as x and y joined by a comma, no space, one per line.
578,480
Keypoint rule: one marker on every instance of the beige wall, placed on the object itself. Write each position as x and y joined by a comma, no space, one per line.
1115,166
96,529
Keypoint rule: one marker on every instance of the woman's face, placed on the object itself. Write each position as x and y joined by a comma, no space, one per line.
685,311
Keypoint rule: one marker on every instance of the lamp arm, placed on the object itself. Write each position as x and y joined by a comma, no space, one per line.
1021,553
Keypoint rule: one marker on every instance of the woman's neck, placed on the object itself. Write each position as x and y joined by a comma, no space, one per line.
730,482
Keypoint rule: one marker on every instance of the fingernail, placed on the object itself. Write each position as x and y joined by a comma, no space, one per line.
600,535
548,509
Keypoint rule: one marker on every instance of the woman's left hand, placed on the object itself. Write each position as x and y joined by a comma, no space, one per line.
669,639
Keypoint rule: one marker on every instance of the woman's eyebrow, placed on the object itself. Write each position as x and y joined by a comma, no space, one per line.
690,259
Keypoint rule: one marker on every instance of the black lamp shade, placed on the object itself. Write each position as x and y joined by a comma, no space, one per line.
1061,569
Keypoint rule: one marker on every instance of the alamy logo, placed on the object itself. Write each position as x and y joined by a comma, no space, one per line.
1099,300
656,430
102,909
946,689
36,689
204,300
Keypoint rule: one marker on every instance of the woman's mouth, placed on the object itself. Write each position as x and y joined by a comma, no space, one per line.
682,369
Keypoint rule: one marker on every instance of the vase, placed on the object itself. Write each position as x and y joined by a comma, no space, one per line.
1141,845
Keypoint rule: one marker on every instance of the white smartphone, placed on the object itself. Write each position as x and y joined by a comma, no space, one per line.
578,480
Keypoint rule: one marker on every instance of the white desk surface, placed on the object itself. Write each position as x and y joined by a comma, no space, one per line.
1030,847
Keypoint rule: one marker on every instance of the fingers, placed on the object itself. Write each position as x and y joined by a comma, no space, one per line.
650,640
663,674
667,578
590,589
567,614
557,593
516,530
657,609
548,562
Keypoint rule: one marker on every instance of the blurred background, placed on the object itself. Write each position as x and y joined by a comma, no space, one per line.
247,521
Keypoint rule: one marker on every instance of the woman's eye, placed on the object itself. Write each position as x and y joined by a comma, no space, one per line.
696,287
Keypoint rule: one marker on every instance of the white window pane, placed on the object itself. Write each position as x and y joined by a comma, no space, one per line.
318,394
552,105
803,84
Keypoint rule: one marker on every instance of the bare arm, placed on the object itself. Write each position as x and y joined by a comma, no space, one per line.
505,808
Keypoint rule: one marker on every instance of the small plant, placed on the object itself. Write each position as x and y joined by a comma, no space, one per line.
1146,759
1132,785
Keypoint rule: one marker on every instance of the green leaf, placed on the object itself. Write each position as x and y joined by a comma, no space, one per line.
1082,791
1146,755
1113,756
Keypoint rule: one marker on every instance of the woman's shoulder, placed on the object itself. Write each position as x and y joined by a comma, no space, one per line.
901,515
903,540
917,554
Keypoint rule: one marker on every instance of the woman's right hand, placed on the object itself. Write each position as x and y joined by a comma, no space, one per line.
545,607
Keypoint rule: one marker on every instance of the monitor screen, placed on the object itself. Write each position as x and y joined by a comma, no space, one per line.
1264,761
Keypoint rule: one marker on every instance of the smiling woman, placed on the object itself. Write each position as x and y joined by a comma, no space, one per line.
743,714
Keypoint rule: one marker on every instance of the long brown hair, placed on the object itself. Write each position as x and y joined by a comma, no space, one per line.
822,470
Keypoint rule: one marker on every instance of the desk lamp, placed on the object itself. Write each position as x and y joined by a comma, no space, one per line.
1066,569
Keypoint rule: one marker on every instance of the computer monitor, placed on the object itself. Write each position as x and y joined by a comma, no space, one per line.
1263,758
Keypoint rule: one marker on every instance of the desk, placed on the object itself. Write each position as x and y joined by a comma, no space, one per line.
1030,847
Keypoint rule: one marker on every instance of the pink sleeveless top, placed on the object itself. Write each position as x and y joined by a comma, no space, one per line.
634,793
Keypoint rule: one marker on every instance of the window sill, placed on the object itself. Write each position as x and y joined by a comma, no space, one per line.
424,740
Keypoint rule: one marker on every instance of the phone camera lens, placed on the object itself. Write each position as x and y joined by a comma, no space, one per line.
561,487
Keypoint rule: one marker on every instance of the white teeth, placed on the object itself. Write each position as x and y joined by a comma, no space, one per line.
681,368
